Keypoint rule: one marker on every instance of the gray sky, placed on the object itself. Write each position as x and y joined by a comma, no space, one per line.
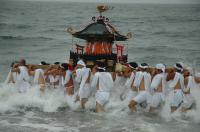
131,1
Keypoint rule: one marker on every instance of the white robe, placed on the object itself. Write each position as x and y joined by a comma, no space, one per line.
12,75
54,79
177,94
38,73
22,82
142,95
78,75
82,76
178,77
105,85
188,99
131,93
67,77
130,80
158,97
147,80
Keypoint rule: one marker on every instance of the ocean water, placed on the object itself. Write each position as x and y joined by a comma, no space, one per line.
36,31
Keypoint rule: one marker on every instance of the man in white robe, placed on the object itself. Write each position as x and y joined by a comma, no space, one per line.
177,85
54,76
39,79
142,82
103,82
132,91
12,76
22,81
83,78
67,80
189,81
157,87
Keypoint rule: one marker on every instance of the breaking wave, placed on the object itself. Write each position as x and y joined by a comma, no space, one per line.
11,100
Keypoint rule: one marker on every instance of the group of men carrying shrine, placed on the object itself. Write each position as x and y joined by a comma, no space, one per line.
147,87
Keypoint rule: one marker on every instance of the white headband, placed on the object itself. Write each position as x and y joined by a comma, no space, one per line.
102,68
80,62
181,63
178,68
131,66
62,67
161,67
190,70
143,67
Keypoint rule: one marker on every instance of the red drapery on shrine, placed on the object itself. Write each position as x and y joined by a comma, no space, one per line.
120,52
98,48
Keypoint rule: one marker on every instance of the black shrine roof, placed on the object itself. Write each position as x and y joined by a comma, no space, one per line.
100,30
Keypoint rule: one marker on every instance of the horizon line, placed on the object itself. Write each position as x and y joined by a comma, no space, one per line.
107,2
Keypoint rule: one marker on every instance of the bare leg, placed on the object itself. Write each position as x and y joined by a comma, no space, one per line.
41,82
69,90
77,98
132,105
11,80
42,88
83,101
183,109
173,108
152,109
99,108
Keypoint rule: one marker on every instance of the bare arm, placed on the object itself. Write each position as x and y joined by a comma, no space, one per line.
113,75
15,70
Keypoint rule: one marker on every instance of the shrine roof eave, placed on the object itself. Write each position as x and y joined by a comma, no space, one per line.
109,37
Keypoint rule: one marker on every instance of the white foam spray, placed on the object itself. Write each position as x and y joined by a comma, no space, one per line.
53,99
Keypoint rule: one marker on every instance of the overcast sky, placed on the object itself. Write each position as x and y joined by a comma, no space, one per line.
131,1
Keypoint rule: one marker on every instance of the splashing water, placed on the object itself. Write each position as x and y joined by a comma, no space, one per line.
54,102
53,99
11,100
